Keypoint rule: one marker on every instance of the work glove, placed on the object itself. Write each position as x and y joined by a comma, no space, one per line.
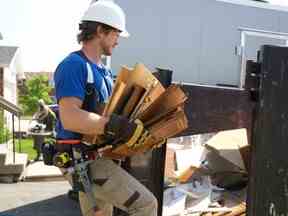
121,130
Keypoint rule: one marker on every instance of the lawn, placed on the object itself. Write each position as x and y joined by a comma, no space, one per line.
26,147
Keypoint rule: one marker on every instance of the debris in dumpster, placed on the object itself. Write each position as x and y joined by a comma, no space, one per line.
228,145
210,182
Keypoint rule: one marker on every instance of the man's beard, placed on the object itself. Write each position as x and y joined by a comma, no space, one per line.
107,51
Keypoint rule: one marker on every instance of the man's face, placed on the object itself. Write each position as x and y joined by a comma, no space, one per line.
109,41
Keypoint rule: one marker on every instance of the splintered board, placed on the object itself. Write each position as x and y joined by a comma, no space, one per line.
165,103
140,76
120,81
115,98
170,125
135,96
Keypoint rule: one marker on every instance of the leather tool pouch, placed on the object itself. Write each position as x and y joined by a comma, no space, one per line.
48,151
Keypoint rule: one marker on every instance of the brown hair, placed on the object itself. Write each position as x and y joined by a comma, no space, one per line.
88,30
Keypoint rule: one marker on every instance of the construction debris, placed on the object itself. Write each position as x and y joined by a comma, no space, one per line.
205,180
228,145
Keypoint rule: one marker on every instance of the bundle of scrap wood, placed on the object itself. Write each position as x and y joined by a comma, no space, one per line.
139,95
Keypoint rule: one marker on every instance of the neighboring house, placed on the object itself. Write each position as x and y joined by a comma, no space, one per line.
10,70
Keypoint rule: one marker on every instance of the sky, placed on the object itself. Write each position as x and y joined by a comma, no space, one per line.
279,2
45,30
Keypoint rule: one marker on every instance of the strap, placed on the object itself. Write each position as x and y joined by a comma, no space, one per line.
68,142
90,77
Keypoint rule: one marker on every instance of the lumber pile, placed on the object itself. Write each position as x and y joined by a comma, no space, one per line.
139,95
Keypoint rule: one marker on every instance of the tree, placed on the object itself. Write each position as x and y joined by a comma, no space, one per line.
35,88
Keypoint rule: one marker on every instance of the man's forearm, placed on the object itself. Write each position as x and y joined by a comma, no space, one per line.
84,122
78,120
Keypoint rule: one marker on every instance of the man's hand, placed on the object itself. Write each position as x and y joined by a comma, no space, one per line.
120,129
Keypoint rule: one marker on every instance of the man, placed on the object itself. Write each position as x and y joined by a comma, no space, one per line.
82,83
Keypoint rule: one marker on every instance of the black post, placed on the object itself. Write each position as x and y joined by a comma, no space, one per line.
159,155
20,135
268,182
13,138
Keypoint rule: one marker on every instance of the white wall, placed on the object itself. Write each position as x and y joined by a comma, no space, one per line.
196,39
10,84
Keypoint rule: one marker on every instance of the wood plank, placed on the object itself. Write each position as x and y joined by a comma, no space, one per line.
142,101
154,93
141,76
119,90
122,77
137,93
165,103
170,125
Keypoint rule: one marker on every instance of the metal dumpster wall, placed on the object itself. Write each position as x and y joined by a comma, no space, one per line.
268,186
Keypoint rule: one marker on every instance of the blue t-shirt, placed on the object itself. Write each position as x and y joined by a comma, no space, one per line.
70,80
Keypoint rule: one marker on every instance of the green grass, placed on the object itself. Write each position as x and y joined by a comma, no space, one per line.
26,147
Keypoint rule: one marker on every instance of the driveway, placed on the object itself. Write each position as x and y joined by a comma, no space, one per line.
37,199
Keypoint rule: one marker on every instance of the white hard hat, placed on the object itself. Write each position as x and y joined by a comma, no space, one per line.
109,13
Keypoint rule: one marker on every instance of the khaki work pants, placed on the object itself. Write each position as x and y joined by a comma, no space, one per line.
113,186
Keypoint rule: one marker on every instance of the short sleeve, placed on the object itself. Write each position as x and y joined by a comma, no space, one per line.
70,80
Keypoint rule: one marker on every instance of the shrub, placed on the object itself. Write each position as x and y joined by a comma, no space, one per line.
35,88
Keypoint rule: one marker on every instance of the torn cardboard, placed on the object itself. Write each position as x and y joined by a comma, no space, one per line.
228,145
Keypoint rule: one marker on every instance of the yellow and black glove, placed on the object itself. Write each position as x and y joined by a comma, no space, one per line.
121,130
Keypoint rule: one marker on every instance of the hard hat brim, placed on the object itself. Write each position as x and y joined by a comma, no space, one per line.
124,34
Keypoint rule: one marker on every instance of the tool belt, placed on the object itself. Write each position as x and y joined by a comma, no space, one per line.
60,152
75,157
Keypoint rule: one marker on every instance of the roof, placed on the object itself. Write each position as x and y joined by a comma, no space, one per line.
257,4
6,55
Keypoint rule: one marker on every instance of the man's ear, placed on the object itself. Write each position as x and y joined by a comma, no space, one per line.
99,31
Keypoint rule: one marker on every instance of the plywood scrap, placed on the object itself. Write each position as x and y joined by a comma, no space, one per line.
145,100
165,103
154,93
136,95
141,76
119,90
122,77
170,125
